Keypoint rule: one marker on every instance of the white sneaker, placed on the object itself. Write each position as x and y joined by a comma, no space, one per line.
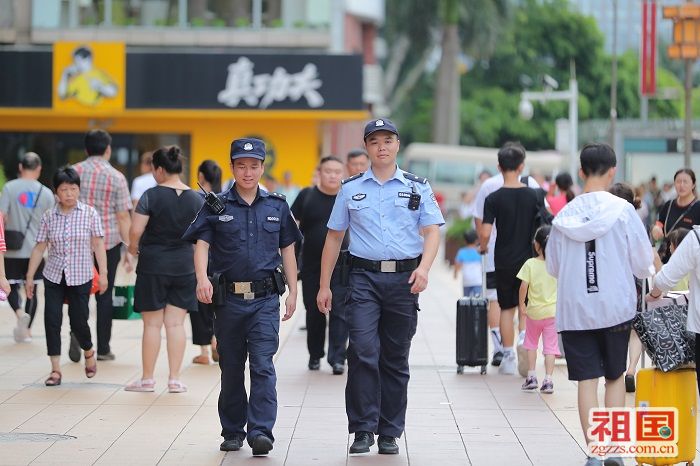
22,330
23,324
508,364
17,334
523,363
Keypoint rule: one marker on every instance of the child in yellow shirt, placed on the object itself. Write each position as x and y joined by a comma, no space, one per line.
540,288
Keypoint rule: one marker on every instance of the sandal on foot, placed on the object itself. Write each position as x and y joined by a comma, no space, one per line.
201,359
90,371
141,385
53,380
175,386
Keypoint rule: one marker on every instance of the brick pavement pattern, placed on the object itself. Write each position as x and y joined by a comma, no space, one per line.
452,419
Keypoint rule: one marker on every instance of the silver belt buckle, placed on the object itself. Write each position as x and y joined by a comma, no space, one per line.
242,288
248,296
387,266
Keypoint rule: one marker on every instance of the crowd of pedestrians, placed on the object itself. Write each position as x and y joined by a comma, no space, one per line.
363,238
559,276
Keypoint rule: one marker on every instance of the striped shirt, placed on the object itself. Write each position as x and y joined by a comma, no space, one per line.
103,187
69,236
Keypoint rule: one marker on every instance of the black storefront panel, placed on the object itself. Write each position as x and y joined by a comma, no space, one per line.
216,81
203,81
25,79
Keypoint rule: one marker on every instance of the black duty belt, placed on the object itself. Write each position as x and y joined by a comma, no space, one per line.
405,265
254,289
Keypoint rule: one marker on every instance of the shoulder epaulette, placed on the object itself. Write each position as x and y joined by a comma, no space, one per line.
279,196
412,177
354,177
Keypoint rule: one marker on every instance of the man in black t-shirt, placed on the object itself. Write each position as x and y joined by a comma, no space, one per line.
312,209
513,208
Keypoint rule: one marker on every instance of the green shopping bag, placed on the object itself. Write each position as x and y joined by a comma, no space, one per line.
123,303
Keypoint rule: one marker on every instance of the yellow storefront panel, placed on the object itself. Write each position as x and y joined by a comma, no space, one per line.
293,137
89,77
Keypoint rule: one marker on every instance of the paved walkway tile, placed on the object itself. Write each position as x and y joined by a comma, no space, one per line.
452,419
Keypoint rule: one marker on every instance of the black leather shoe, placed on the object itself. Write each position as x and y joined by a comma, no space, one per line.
387,445
74,349
261,445
338,369
314,364
363,440
233,444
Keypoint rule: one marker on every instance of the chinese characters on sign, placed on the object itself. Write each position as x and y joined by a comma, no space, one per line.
262,90
648,432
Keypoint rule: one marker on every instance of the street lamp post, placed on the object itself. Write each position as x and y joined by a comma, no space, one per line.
570,95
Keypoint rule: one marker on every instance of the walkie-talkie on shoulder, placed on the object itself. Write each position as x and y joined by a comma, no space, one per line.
213,201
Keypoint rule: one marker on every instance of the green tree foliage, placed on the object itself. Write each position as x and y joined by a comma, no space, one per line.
542,37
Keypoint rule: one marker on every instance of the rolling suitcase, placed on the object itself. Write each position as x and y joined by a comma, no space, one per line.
677,389
472,330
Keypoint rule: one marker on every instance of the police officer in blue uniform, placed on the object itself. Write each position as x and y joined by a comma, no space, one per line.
393,220
245,238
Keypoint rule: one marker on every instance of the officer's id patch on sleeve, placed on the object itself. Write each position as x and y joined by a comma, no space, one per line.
404,194
225,218
432,196
359,196
273,219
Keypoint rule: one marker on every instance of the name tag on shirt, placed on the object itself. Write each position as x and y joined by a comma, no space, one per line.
403,194
273,219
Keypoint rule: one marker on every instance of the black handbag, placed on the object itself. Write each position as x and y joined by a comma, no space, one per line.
663,332
14,240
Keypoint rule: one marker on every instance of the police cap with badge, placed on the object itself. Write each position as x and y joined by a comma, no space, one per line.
381,124
248,147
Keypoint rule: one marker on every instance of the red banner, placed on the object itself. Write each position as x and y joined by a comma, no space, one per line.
647,70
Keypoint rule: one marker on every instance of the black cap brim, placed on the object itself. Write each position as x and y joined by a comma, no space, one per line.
380,128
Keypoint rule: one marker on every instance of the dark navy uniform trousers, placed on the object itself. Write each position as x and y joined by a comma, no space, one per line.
382,315
247,329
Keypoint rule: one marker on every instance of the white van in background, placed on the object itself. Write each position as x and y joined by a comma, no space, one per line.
453,170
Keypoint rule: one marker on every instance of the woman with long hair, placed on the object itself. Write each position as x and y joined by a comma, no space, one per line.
564,184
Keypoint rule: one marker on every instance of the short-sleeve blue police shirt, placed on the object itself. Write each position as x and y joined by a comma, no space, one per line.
380,224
